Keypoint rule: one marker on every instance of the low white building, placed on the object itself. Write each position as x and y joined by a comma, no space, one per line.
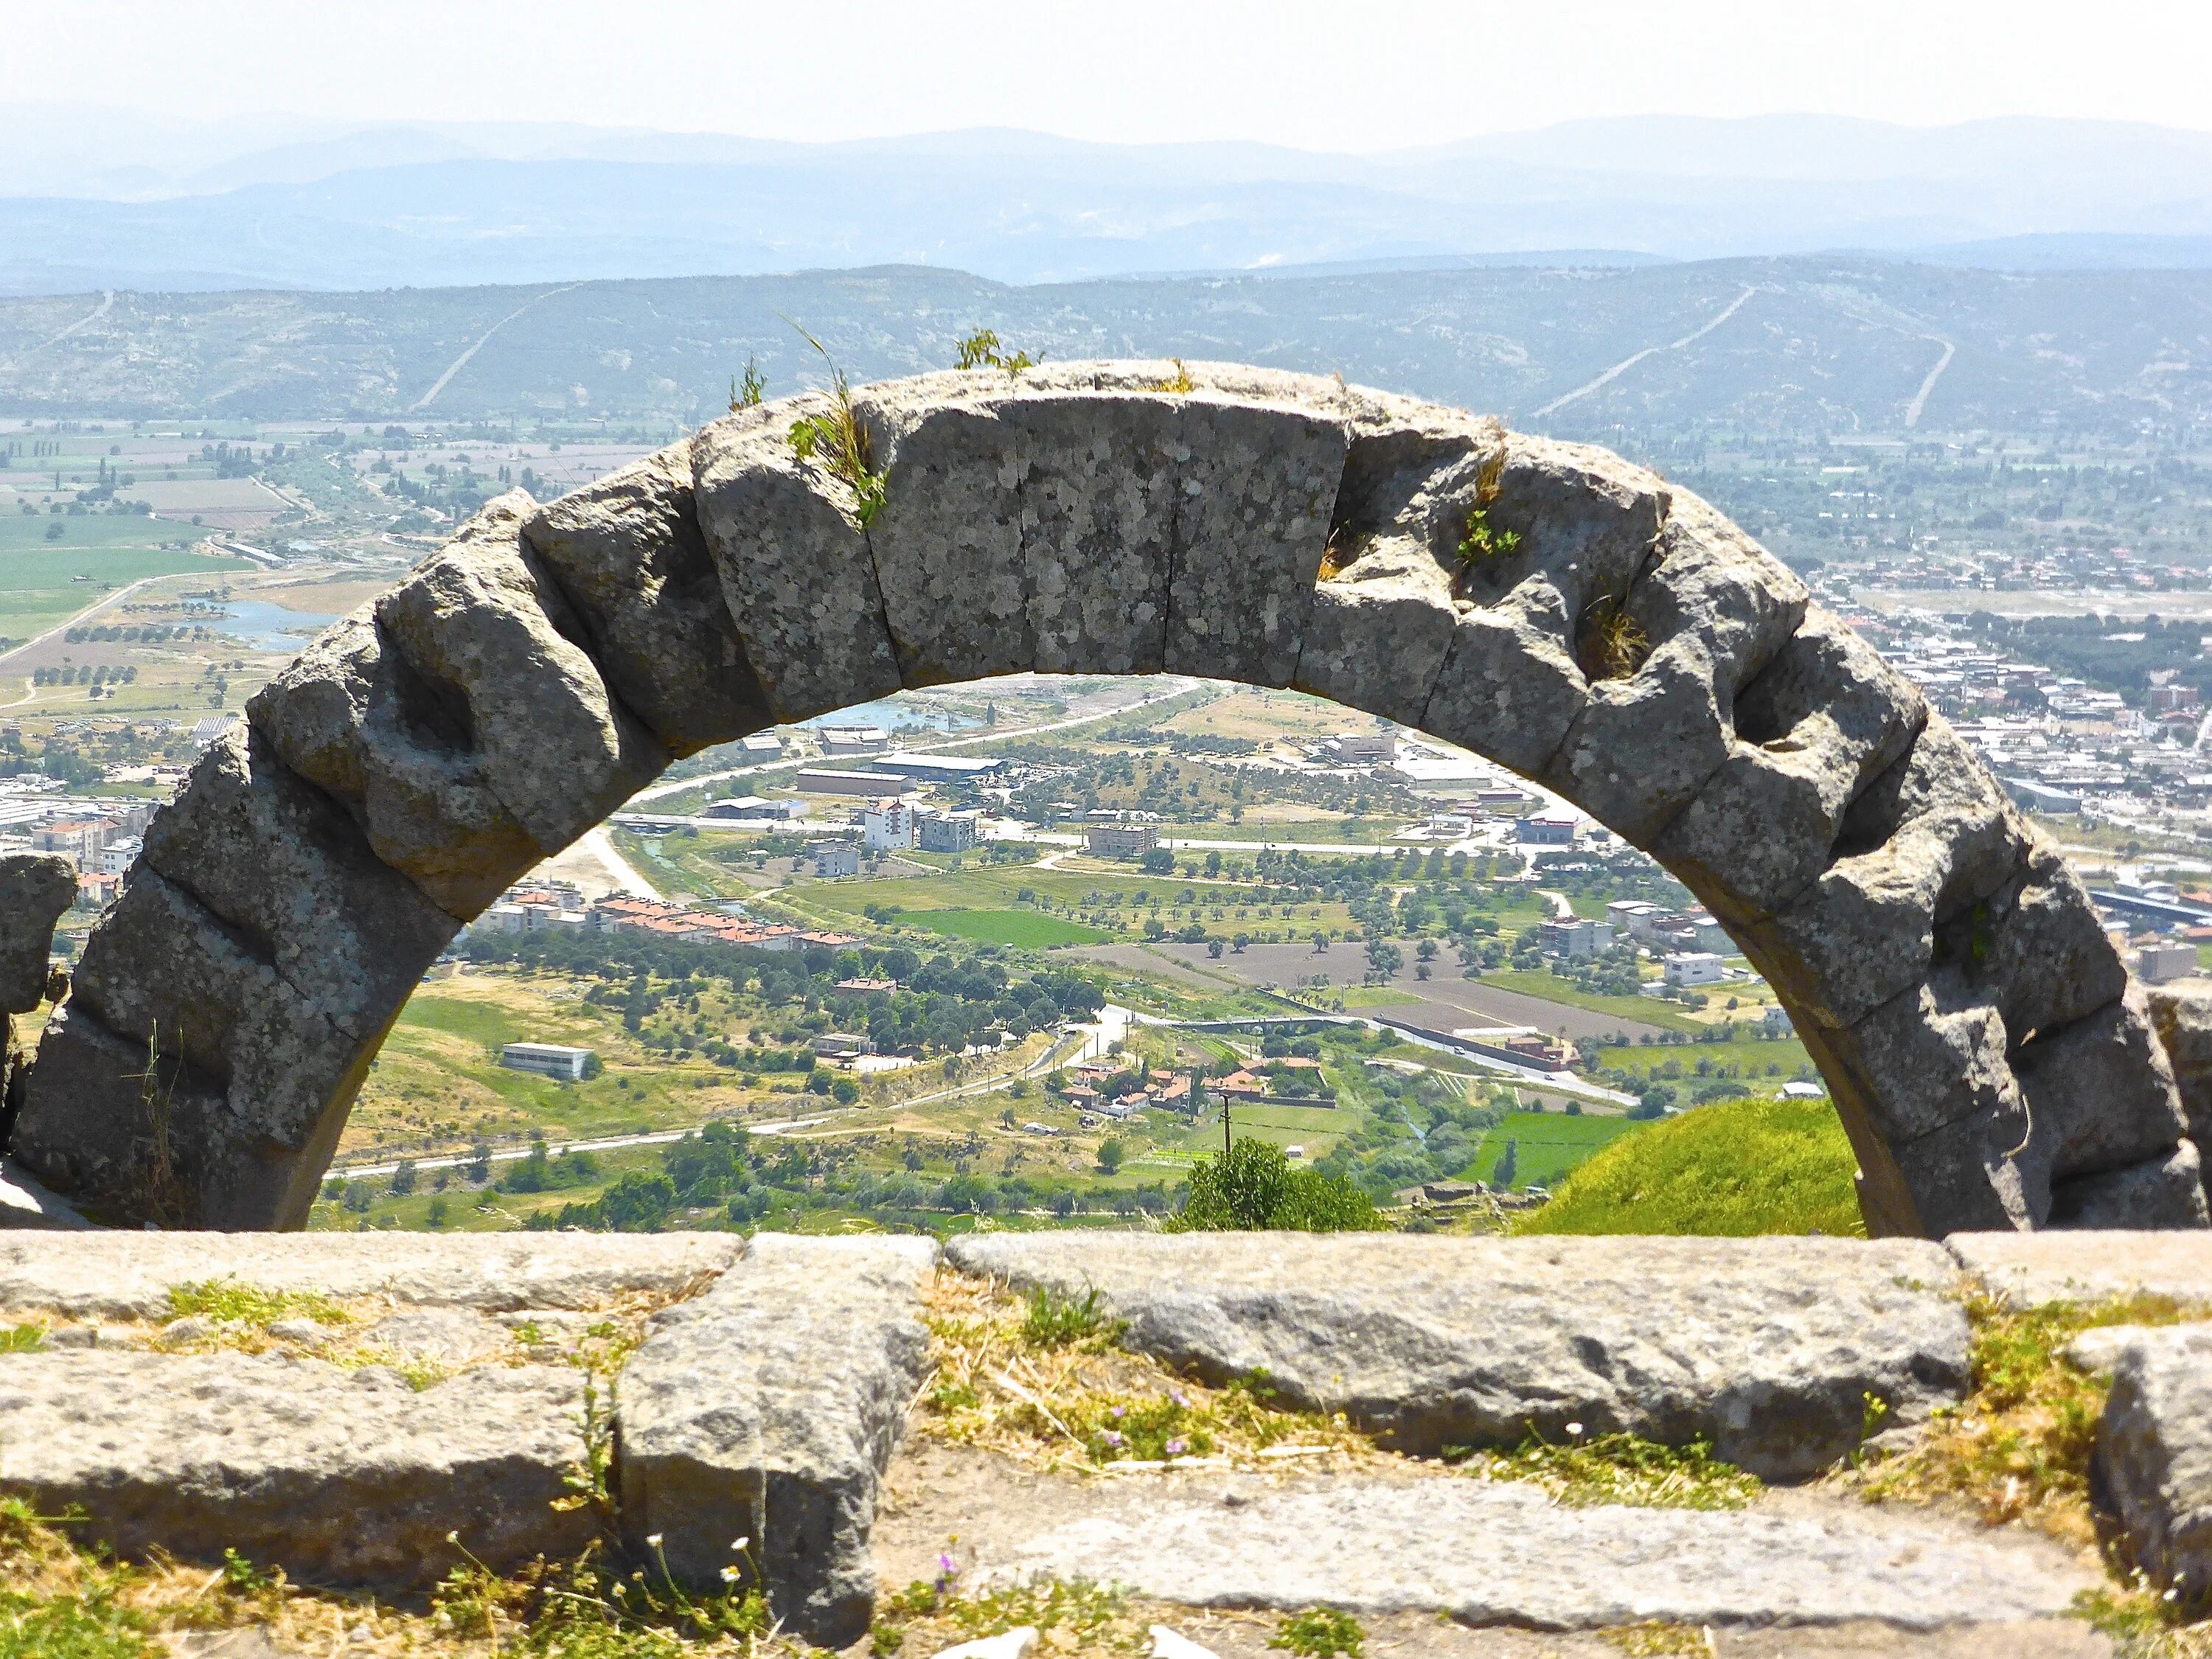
2157,964
1694,968
832,858
117,856
946,832
552,1060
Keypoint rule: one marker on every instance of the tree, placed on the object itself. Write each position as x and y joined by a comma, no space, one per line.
844,1091
1213,949
403,1178
480,1162
1509,1165
1157,862
1253,1187
1111,1154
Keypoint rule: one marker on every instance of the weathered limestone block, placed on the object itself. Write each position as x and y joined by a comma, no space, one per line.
947,544
201,1013
1713,610
1928,840
129,1275
2039,946
1383,613
35,888
2153,1467
2181,1014
1501,1552
2101,1093
794,566
2165,1190
1098,514
1825,716
1256,489
1587,523
2028,1269
27,1205
280,864
768,1409
353,719
475,620
1766,1347
337,1477
627,555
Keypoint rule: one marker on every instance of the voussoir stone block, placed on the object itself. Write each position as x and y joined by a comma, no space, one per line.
1825,717
2153,1466
474,621
794,565
1766,1348
338,1477
1384,611
768,1409
2102,1094
35,888
627,554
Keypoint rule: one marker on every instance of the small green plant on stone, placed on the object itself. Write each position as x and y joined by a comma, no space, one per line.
1179,382
23,1339
230,1300
747,393
1617,1468
588,1479
1085,1613
1319,1633
1614,643
981,350
2145,1622
841,439
1478,543
241,1577
1057,1318
1657,1638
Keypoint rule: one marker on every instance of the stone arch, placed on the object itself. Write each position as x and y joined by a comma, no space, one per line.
1620,641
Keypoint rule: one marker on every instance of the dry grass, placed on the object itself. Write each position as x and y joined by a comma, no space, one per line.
1614,644
1010,1381
1654,1637
2017,1449
1619,1469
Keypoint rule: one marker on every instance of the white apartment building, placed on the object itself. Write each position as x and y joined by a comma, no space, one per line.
1686,968
887,826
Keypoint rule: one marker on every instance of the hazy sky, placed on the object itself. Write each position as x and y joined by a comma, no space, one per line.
1342,77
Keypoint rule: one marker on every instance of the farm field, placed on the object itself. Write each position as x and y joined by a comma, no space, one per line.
1024,929
1547,1146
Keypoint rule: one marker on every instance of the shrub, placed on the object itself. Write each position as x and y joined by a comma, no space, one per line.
1253,1187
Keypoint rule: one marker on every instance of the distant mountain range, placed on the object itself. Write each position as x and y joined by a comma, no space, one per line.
103,199
1849,346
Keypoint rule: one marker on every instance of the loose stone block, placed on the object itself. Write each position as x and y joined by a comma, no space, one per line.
1766,1347
2101,1093
337,1477
768,1409
2152,1468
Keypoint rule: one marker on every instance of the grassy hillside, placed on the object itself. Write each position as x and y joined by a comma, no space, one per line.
1547,1146
1733,1168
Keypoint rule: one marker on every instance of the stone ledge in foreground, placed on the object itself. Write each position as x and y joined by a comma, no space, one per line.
2028,1269
1766,1347
768,1408
2152,1474
123,1275
339,1477
1501,1554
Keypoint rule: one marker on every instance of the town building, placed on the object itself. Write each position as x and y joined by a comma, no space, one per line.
832,858
887,826
850,741
2158,963
828,780
942,768
754,806
946,832
1546,829
1364,748
551,1059
1119,841
81,840
761,746
841,1045
1686,968
1576,941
